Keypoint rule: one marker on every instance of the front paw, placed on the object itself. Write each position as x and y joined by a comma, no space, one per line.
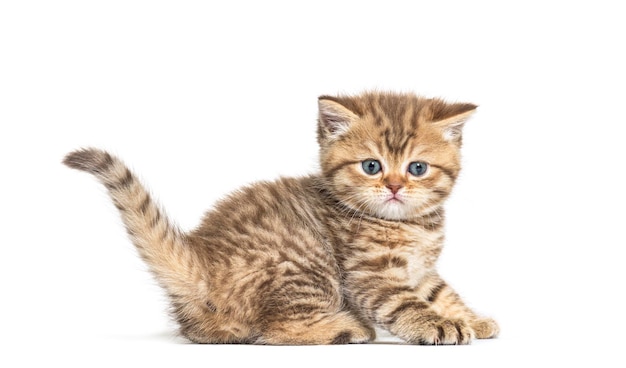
446,332
485,328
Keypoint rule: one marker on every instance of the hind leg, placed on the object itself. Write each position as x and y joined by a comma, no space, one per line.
302,306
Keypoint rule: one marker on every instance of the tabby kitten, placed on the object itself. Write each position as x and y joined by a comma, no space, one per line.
320,259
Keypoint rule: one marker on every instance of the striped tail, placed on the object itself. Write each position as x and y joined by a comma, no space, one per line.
161,245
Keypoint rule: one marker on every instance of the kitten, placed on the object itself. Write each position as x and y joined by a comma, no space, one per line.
320,259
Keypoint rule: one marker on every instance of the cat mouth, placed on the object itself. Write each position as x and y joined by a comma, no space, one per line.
394,199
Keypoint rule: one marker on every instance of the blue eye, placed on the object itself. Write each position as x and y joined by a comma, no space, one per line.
418,168
371,167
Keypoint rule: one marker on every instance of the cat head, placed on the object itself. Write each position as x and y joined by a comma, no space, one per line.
393,156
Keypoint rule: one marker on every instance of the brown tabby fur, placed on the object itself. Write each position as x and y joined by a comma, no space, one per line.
320,259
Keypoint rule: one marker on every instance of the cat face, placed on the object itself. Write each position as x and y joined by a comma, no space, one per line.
393,156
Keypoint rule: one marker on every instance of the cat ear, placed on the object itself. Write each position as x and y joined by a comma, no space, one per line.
450,118
334,118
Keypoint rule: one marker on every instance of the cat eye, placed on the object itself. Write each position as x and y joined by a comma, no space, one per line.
418,168
371,167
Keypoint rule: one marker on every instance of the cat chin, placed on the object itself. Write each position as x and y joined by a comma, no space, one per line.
394,211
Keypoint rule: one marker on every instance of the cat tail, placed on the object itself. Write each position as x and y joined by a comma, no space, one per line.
160,244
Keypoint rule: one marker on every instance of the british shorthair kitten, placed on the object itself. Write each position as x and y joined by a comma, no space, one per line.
320,259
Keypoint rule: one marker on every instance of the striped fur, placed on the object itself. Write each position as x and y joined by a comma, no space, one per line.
320,259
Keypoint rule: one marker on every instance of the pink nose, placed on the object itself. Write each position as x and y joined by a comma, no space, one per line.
394,187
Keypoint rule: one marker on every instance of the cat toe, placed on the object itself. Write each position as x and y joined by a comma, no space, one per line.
447,332
485,328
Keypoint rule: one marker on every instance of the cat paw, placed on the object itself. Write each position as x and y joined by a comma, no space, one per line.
349,330
328,328
447,332
355,336
485,328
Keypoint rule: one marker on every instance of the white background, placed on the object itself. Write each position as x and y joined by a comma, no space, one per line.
202,97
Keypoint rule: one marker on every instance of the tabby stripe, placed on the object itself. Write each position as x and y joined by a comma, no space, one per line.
384,294
118,206
122,183
304,288
407,139
441,333
459,333
315,319
211,307
127,180
106,164
366,284
392,316
379,263
223,257
450,173
319,278
144,205
301,310
166,234
156,219
262,287
316,294
388,142
304,252
274,192
434,293
433,225
338,167
416,114
378,120
129,231
431,221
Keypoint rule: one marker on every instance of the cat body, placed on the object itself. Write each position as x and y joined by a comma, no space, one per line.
320,259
